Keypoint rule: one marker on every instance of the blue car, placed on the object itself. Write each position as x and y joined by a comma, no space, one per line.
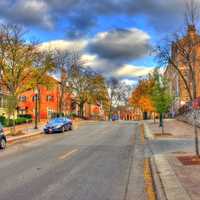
60,124
2,138
115,118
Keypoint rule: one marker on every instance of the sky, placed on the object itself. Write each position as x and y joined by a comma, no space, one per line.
116,37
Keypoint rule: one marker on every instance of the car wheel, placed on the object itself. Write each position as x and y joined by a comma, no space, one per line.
70,127
63,129
2,144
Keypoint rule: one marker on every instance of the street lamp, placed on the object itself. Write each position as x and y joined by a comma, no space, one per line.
36,108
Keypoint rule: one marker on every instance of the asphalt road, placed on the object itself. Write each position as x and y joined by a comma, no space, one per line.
101,161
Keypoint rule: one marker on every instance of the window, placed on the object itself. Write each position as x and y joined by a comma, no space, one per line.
34,97
22,98
49,98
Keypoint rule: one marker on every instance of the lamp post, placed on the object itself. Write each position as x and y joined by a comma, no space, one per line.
36,108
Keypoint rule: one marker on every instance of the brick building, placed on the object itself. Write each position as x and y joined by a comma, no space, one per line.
94,111
48,102
177,86
130,113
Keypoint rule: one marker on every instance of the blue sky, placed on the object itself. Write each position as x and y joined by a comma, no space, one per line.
115,36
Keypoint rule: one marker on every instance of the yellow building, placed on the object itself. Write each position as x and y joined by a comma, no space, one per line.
2,104
176,83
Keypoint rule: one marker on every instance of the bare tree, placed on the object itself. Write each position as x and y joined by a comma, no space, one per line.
85,84
61,60
117,94
181,54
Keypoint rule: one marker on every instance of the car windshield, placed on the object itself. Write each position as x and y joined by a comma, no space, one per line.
57,120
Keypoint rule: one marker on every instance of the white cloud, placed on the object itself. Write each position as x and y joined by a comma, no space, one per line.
129,82
131,71
64,45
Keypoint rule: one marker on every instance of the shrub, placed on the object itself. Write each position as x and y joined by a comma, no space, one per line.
3,120
27,116
73,114
18,121
21,120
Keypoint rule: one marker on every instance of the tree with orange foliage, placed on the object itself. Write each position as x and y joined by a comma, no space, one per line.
140,97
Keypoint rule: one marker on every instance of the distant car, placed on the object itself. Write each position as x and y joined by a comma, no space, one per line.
60,124
115,118
3,140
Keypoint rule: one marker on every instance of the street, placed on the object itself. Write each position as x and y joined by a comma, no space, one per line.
100,161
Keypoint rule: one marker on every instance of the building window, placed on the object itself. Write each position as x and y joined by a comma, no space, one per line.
50,112
34,97
49,98
22,98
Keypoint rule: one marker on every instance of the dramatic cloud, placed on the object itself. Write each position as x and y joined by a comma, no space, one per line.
82,15
121,45
110,52
33,12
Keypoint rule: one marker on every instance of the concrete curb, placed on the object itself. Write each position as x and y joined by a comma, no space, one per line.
147,132
160,195
167,185
171,185
23,137
156,180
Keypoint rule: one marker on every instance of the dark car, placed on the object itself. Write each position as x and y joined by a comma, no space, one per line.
60,124
2,138
115,118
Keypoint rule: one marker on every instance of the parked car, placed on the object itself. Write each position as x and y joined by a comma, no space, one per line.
115,118
60,124
3,140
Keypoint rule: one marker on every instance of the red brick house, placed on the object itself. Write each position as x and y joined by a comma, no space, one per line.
48,103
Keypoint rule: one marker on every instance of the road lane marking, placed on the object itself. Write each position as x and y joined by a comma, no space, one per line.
68,154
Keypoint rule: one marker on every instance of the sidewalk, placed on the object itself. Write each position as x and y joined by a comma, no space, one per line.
27,132
176,128
179,180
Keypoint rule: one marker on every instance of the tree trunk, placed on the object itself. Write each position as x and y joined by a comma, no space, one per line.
163,131
12,129
154,117
160,120
81,110
110,112
195,114
61,100
196,134
39,104
36,111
